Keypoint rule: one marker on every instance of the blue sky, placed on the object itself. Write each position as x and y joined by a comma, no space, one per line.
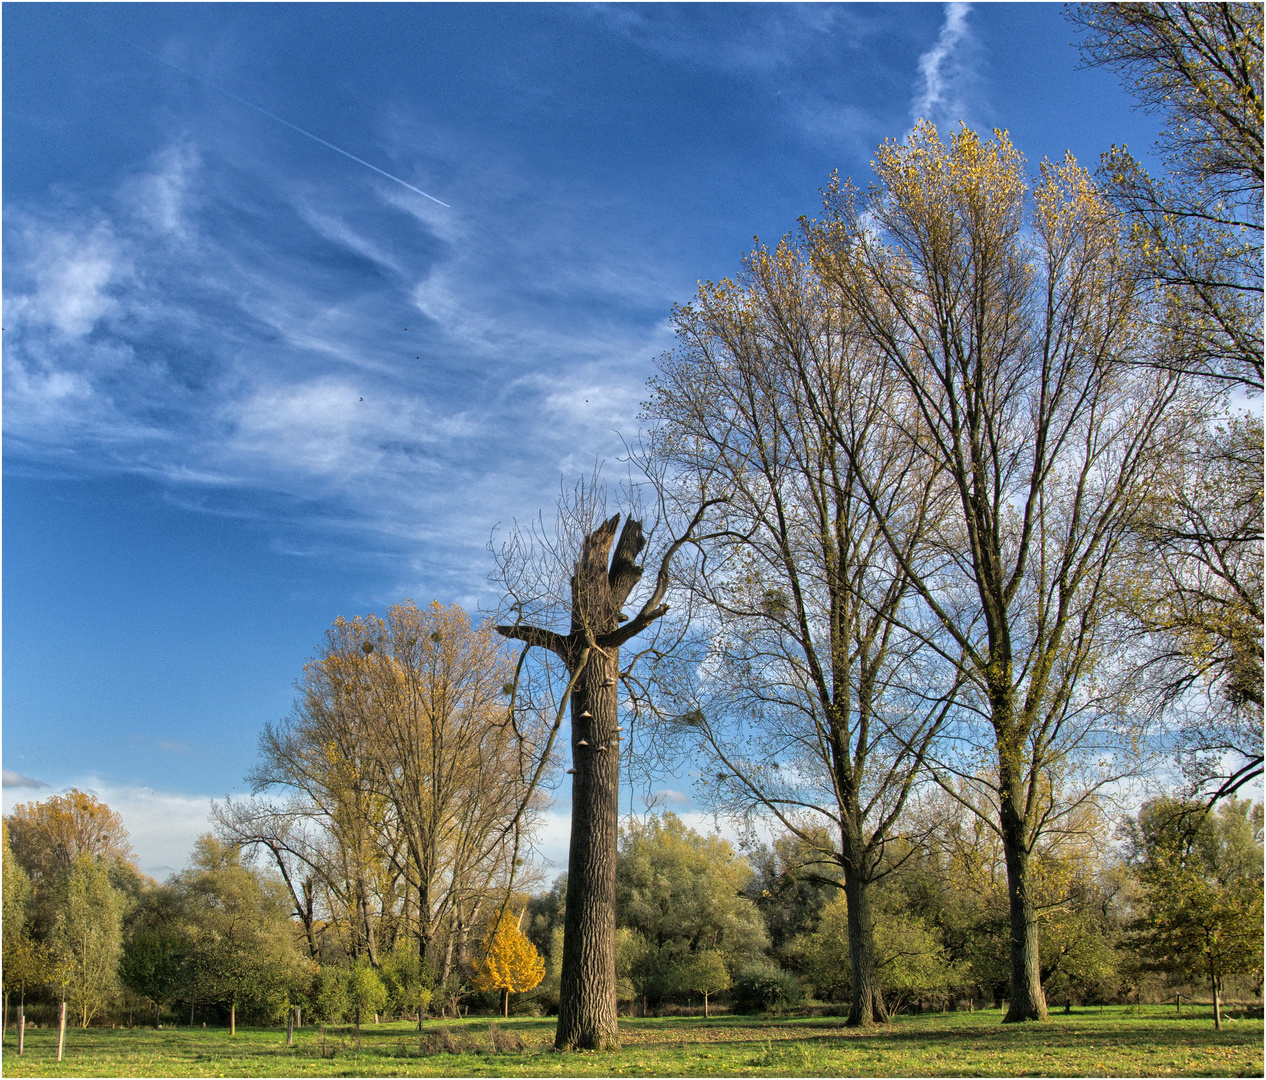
251,384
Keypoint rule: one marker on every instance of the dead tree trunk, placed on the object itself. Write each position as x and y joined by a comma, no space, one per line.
591,654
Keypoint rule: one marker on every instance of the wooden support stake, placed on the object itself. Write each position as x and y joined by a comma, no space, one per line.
290,1027
61,1030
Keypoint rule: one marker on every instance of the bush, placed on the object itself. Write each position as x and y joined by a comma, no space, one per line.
366,994
765,987
408,980
330,1001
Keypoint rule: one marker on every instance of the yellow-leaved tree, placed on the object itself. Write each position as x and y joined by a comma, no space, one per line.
510,963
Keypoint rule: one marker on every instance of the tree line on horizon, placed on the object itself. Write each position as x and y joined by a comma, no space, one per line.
961,525
1175,906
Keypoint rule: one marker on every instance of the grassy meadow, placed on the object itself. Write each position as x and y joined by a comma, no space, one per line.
1114,1042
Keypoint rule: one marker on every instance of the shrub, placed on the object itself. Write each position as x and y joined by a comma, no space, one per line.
366,994
765,987
330,1001
408,980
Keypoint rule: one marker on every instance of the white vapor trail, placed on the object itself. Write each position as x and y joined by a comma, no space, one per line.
293,127
932,63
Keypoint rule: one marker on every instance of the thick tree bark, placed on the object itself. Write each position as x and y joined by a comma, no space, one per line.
868,1004
587,1002
591,653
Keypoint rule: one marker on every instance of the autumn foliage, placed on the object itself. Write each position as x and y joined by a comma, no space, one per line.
510,963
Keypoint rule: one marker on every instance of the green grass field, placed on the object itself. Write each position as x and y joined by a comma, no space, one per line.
1115,1042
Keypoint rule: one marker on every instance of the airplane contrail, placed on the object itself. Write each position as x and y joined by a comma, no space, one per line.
293,127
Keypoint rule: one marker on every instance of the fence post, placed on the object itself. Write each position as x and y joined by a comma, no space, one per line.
1178,1003
290,1027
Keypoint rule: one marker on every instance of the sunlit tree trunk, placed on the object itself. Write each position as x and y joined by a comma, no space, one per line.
867,1006
587,1002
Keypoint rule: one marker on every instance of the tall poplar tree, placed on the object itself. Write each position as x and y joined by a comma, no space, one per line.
774,400
1011,315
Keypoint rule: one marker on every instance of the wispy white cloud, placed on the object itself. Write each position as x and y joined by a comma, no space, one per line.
944,71
69,272
160,195
775,42
339,231
154,334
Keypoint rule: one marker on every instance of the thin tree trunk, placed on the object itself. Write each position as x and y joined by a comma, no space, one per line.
424,930
367,923
157,1017
505,1002
1217,997
309,928
232,1017
21,1026
61,1029
705,1005
463,936
290,1027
